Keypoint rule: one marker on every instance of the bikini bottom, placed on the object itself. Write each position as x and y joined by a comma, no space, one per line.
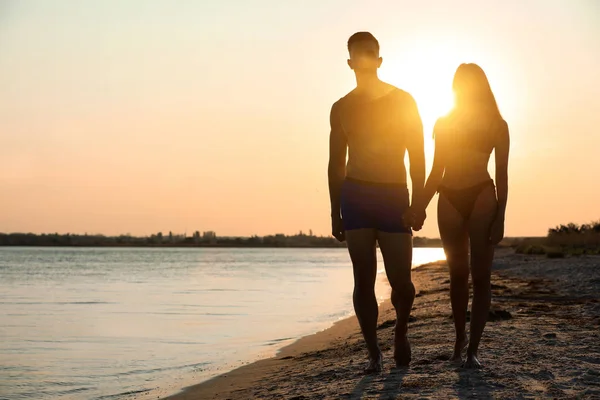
463,200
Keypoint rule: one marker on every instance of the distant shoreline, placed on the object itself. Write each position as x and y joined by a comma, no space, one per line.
205,240
197,240
340,246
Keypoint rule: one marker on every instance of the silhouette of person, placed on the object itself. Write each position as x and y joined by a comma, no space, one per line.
374,125
471,209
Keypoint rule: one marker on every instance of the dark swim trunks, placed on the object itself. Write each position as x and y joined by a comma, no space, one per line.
374,205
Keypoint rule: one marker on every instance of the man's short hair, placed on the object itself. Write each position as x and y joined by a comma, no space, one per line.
362,37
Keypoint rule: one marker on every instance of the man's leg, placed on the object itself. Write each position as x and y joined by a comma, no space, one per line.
362,249
396,249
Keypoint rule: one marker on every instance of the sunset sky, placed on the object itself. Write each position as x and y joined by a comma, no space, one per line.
145,116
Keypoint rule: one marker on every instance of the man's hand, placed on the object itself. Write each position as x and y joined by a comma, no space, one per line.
337,228
414,217
420,216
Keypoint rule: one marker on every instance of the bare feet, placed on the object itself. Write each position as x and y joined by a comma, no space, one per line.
402,352
472,362
375,365
459,346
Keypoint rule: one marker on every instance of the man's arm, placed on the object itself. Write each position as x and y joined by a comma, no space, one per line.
337,160
501,155
416,149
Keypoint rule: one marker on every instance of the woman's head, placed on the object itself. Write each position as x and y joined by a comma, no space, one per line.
472,90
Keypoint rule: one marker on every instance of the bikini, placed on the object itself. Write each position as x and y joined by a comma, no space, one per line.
463,200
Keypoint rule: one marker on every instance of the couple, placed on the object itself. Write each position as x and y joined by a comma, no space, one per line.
374,125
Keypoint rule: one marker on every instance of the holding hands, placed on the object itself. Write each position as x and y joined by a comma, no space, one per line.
414,217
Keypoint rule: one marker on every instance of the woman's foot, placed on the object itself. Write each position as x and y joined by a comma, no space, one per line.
459,346
472,362
375,364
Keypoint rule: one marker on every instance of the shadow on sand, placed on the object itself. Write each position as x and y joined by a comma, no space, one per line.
392,385
472,384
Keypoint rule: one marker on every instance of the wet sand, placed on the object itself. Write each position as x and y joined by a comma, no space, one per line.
542,341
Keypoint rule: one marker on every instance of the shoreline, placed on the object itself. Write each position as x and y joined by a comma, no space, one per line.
288,346
550,310
317,341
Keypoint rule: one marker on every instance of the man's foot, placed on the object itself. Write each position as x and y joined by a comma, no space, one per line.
472,362
375,365
402,352
459,346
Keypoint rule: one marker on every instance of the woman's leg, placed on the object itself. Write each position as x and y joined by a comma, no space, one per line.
454,235
482,255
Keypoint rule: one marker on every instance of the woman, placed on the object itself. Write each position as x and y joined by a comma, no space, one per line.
470,210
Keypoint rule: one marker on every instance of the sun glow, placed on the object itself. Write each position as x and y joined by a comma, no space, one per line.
425,67
425,70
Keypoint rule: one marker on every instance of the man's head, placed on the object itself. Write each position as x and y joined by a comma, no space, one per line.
364,52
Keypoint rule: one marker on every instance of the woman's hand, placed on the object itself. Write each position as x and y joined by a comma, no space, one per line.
414,217
420,216
497,231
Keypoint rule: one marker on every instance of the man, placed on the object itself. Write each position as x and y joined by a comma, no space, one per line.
376,123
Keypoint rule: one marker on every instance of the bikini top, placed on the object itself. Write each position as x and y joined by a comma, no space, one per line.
462,132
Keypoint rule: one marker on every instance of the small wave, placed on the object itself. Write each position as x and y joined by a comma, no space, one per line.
47,341
153,370
231,290
225,314
73,391
183,313
122,394
276,341
180,342
38,303
205,305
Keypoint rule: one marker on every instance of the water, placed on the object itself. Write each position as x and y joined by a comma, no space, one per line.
107,323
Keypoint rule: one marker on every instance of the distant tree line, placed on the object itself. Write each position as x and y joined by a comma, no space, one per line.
585,235
570,239
198,239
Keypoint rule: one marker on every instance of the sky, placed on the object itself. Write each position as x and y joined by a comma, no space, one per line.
143,116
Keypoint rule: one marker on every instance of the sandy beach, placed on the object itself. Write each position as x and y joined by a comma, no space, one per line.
542,341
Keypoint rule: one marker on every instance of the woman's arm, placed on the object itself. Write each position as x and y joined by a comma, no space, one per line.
501,154
437,170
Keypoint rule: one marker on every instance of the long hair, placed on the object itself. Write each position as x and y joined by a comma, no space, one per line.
472,92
